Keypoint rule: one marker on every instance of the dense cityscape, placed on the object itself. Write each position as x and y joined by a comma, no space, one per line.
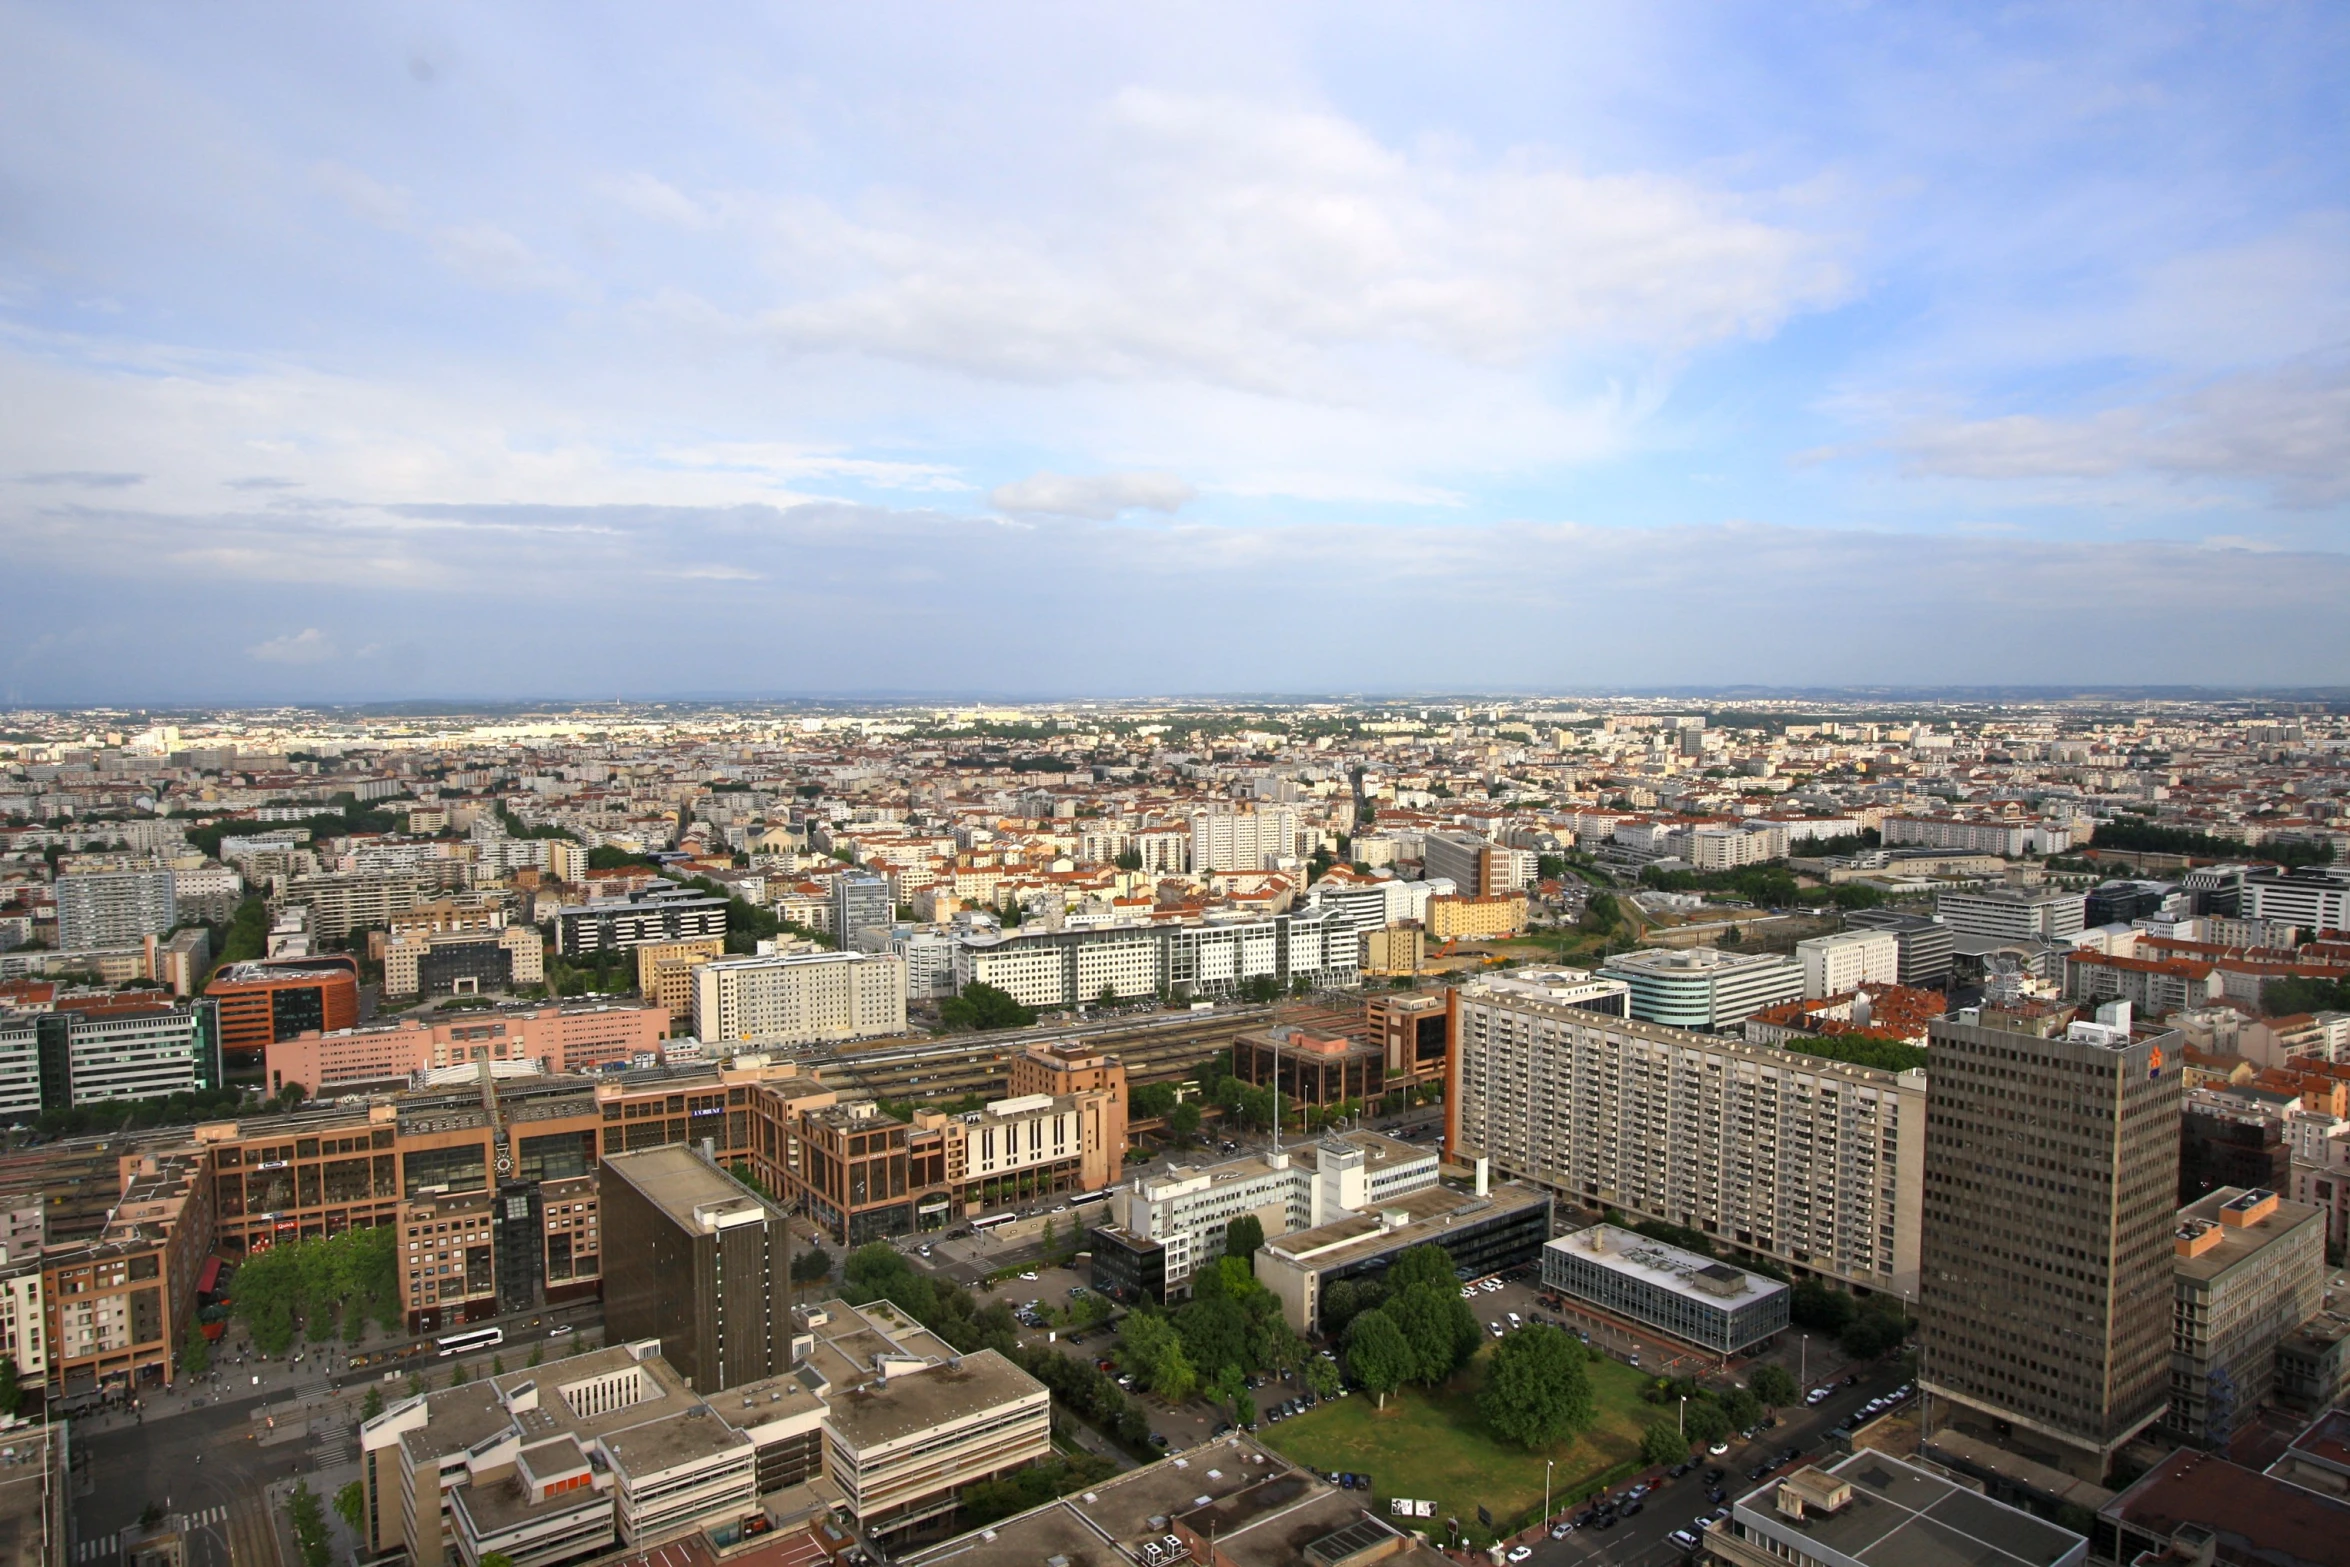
1269,785
875,1125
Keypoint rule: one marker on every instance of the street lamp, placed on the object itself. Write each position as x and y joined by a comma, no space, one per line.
1804,1376
1548,1464
1681,1421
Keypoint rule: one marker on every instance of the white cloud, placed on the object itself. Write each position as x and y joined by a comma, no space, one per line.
494,258
2285,429
1254,247
385,206
307,646
1099,496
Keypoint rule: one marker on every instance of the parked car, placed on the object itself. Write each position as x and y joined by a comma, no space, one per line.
1519,1553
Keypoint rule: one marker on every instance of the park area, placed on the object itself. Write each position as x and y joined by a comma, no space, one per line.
1438,1448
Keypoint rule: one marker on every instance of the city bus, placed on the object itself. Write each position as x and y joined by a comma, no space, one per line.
470,1340
991,1221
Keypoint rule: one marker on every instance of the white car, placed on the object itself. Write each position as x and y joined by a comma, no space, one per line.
1519,1553
1029,1277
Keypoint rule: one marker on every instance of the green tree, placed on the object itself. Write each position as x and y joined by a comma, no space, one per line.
1819,1309
496,1559
1741,1408
1773,1386
1150,1101
1877,1328
1427,1264
1705,1422
1439,1326
1322,1378
812,1265
497,1365
1243,1235
538,1353
351,1506
308,1516
1538,1387
458,1375
415,1384
1183,1120
1663,1443
195,1353
1381,1359
11,1391
372,1405
1343,1299
982,1006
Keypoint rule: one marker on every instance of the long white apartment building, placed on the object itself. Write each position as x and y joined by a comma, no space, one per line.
1848,960
1816,1163
1185,1209
114,908
800,998
1059,968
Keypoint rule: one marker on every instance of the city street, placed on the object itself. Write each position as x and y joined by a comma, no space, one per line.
1640,1541
207,1450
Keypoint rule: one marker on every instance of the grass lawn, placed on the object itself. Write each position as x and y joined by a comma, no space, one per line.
1435,1446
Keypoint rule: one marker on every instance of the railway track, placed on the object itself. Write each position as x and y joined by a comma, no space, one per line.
1154,1049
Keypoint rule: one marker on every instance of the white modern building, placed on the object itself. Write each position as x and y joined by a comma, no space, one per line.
1185,1209
1243,840
115,908
1704,987
2315,900
1683,1294
1848,960
800,998
2011,912
1819,1164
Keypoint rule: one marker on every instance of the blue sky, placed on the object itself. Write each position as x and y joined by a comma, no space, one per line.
362,352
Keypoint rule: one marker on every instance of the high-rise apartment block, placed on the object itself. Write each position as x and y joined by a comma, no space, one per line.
2046,1287
114,908
1814,1163
800,998
1243,840
707,1267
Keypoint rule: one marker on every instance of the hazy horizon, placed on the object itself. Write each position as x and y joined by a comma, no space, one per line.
456,351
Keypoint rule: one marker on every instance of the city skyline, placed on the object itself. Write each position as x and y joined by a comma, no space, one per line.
1519,347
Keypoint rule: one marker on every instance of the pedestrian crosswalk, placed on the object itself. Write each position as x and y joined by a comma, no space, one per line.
332,1443
107,1547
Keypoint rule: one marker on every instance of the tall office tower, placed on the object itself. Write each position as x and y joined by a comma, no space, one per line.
114,908
2052,1169
699,1263
860,899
